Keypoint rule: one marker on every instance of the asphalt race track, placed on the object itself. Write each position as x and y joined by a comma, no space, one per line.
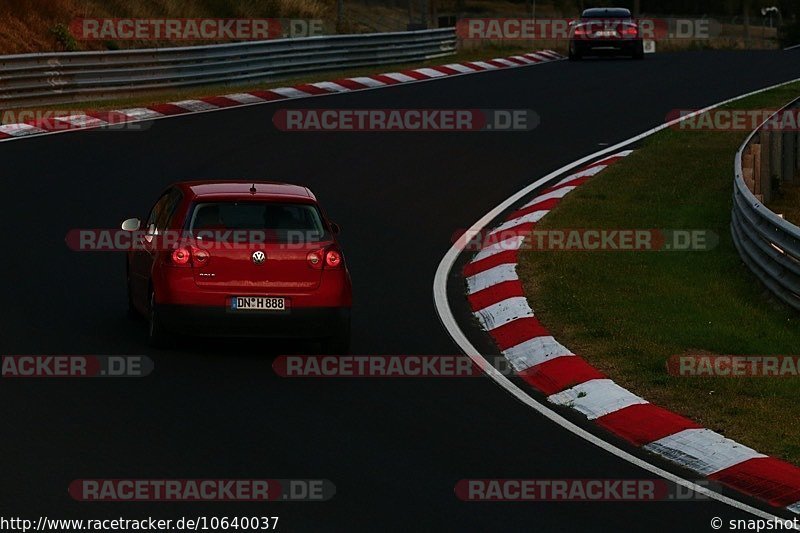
215,409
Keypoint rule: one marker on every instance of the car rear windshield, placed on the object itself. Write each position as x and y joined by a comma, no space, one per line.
256,221
606,14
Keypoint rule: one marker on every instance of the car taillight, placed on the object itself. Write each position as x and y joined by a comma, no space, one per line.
333,259
630,31
582,30
187,256
199,256
324,258
315,259
181,256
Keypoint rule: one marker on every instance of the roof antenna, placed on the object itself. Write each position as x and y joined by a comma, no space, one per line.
253,189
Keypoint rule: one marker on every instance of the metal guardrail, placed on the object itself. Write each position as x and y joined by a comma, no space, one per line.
768,244
55,78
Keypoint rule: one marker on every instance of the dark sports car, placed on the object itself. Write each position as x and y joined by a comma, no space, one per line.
603,31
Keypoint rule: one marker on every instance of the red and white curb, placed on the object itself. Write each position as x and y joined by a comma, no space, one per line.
97,119
497,299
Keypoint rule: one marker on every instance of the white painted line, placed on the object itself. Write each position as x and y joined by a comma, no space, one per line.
461,68
512,243
430,72
194,105
244,98
290,92
82,120
596,398
139,113
558,193
591,171
524,59
540,57
445,313
533,216
504,61
20,130
793,47
484,64
550,54
493,276
621,153
504,312
535,351
399,77
795,507
596,168
331,86
370,82
702,450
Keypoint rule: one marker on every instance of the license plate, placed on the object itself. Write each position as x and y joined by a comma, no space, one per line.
257,303
606,33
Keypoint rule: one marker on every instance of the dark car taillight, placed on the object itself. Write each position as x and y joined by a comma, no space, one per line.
629,30
330,258
199,256
315,259
188,256
333,259
181,256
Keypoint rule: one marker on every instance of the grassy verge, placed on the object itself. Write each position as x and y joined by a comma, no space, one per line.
628,312
156,97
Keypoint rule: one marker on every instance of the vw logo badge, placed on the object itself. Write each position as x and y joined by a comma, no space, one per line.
259,257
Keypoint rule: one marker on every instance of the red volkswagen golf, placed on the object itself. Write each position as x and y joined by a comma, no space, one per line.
240,259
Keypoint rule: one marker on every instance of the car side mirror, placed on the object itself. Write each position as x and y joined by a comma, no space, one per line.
335,229
132,224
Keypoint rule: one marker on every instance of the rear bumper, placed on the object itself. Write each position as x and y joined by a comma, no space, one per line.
177,287
607,46
297,323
